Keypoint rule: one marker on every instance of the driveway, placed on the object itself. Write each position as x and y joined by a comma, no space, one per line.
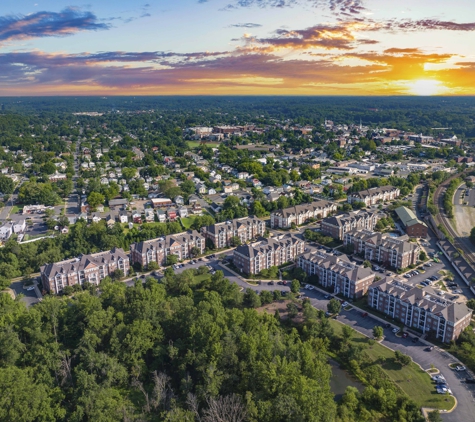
29,298
463,392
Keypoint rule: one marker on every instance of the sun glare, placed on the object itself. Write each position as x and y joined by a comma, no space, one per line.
427,87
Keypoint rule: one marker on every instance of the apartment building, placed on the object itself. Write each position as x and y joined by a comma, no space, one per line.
258,256
246,228
374,195
85,268
300,214
337,272
420,309
338,225
395,252
157,250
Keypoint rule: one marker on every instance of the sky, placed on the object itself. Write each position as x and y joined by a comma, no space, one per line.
237,47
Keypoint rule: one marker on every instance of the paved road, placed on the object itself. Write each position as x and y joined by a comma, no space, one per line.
29,298
463,392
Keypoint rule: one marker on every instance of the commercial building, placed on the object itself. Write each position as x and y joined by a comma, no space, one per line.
420,309
413,226
374,196
258,256
157,250
301,213
246,228
85,268
338,225
337,272
395,252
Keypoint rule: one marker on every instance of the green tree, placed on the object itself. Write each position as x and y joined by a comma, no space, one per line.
6,185
172,259
422,256
367,264
295,286
292,310
95,199
378,332
251,299
235,241
334,306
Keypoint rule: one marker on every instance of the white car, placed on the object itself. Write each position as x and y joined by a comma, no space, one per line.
29,289
311,287
444,390
460,368
396,330
344,304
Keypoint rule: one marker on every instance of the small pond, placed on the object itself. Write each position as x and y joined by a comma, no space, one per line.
341,379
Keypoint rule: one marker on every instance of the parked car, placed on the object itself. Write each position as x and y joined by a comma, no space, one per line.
344,304
387,325
364,314
470,380
29,289
271,283
326,297
415,339
460,368
429,349
404,335
396,330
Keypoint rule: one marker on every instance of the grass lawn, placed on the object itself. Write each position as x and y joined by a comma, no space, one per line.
202,277
187,222
411,379
15,209
196,144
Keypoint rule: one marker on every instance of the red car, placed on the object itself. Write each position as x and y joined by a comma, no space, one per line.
404,335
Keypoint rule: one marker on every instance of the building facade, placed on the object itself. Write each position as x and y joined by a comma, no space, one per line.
374,196
420,309
157,250
301,213
246,228
413,226
86,268
381,247
337,272
258,256
338,225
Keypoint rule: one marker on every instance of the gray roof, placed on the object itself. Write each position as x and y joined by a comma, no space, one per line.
425,299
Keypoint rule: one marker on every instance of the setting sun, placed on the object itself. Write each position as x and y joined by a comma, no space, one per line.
427,87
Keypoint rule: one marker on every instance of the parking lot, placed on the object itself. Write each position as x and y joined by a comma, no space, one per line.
465,393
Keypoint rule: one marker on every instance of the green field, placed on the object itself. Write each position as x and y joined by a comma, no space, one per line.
187,222
196,144
415,382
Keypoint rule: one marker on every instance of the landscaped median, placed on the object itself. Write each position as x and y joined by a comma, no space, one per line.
411,379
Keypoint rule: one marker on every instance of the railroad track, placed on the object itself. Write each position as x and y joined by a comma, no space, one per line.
442,219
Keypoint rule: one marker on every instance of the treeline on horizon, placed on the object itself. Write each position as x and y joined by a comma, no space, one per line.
417,114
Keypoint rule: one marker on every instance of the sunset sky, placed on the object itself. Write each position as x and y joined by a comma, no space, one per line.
238,47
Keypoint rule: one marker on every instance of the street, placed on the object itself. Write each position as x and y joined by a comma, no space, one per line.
464,393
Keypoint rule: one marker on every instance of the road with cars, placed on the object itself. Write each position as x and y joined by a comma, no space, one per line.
464,393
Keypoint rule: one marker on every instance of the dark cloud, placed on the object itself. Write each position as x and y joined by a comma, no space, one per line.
246,25
432,24
48,24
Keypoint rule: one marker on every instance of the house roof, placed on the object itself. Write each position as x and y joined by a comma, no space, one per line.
407,217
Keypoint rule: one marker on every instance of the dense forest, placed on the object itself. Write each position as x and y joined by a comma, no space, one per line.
190,348
418,114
